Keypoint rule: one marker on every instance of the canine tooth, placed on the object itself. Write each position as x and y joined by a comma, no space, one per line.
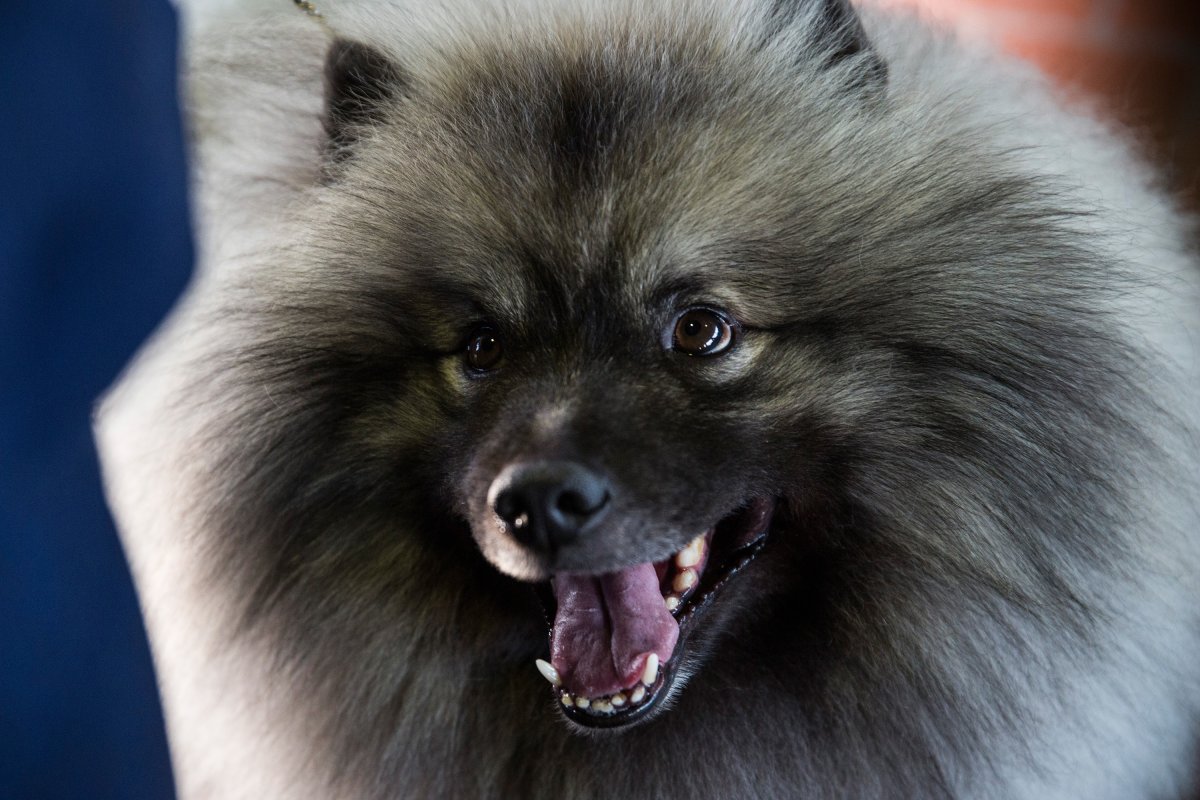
684,580
650,672
672,602
637,694
582,702
618,699
549,673
567,700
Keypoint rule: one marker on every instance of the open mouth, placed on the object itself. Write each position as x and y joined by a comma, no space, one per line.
616,640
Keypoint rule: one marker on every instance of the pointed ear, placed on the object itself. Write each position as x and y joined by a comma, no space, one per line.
838,29
358,81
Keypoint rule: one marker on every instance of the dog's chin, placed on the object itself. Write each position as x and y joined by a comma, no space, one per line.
507,556
622,639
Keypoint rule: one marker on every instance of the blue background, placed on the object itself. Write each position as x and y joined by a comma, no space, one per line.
94,247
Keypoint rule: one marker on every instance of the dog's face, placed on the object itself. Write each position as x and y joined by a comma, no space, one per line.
612,421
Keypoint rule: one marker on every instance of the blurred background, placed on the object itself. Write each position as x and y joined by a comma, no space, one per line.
1138,59
95,247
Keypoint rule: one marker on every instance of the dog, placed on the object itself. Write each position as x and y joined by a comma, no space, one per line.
763,398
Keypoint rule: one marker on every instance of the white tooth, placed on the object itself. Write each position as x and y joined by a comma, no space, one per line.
549,673
684,580
650,672
638,694
688,557
566,700
618,699
698,543
603,706
582,702
672,602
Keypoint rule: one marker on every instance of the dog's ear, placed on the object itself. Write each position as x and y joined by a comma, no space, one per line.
837,30
359,80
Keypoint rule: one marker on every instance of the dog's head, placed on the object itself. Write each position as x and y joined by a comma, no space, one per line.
634,306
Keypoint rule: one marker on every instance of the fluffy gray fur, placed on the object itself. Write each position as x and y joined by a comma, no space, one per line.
966,370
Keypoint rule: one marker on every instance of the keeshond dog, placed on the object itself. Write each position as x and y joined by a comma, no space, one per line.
710,399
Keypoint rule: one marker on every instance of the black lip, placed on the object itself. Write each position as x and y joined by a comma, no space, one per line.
626,716
754,520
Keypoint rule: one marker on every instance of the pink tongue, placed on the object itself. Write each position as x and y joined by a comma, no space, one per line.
606,626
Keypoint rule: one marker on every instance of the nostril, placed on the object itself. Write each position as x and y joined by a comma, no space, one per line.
515,508
507,506
580,504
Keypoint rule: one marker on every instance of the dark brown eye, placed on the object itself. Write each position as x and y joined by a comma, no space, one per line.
484,349
702,332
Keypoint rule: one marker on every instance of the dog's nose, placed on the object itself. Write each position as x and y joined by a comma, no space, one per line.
548,504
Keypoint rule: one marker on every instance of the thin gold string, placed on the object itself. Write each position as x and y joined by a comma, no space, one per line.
311,10
308,8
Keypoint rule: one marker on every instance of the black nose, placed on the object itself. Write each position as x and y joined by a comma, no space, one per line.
548,504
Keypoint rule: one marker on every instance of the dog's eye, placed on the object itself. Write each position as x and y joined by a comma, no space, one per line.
484,349
702,332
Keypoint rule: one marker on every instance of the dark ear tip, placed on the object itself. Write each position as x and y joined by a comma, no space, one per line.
351,65
839,29
338,57
347,56
871,75
358,80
